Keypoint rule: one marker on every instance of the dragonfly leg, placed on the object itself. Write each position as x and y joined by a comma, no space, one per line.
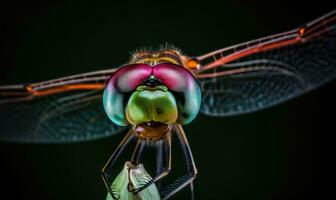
107,168
161,153
183,181
166,147
135,160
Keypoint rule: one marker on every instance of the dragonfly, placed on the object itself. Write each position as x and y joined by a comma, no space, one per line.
158,91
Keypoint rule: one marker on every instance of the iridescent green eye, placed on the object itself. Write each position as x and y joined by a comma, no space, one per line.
185,87
124,81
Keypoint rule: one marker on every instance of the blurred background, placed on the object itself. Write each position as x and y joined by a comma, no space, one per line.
285,152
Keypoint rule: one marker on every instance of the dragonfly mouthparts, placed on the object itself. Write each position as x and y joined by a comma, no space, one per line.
152,130
152,81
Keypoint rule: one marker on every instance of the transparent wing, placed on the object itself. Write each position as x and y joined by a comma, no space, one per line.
261,73
68,109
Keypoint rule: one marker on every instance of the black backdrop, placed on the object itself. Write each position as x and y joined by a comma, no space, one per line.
284,152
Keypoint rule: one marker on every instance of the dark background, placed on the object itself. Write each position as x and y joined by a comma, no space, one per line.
285,152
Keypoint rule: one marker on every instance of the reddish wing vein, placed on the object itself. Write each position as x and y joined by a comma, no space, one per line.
67,109
303,34
86,81
258,74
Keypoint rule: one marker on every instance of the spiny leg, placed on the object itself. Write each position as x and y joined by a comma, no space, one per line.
135,160
166,169
121,147
191,167
162,158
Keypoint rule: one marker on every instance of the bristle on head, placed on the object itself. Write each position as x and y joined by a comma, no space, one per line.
151,52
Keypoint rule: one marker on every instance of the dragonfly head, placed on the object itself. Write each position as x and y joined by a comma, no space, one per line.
152,97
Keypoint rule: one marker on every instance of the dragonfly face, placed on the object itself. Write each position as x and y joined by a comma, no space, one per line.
152,94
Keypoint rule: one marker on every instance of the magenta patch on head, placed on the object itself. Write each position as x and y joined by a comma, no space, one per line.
129,77
174,77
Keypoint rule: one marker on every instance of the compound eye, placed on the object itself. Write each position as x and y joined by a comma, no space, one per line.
186,88
125,80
